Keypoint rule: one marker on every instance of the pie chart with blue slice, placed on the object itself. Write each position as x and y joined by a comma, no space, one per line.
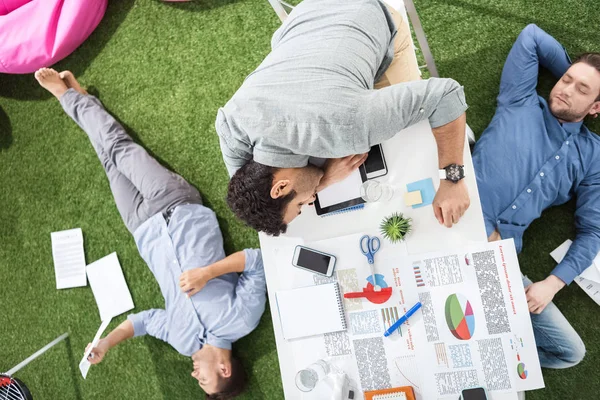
459,317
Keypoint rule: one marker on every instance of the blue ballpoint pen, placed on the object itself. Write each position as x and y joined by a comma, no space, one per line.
402,319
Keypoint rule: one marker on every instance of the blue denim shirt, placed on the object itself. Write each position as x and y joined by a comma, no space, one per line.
527,161
226,309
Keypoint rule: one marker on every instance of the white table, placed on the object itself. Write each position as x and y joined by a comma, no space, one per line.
411,156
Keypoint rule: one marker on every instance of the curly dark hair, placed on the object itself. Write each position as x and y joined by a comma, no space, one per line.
249,197
232,386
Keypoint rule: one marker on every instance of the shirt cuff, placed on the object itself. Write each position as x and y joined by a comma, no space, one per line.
278,160
565,273
217,342
253,260
139,328
452,106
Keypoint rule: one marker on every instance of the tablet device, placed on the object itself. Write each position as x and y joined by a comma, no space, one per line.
341,195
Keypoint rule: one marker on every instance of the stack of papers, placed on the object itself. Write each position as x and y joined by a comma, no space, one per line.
588,280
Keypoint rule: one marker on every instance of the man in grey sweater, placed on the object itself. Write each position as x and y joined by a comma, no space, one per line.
338,80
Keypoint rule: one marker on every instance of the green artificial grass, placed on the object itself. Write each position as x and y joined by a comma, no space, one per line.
164,70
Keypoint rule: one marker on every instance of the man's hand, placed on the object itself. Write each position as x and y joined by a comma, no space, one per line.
98,352
540,294
338,169
193,280
451,202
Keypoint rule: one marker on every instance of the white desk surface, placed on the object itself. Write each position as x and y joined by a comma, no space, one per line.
411,156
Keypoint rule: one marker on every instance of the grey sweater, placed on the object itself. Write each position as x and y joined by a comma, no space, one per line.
313,95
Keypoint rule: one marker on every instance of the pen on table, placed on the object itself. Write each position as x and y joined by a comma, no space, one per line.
402,319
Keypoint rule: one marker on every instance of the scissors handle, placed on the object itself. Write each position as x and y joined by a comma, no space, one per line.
364,245
374,244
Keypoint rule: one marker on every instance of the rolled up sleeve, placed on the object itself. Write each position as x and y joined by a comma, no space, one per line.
150,322
387,111
251,288
236,153
586,245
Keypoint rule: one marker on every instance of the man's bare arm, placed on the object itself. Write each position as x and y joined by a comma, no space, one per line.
121,333
193,280
452,199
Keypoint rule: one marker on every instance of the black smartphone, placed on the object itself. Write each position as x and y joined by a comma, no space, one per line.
375,165
477,393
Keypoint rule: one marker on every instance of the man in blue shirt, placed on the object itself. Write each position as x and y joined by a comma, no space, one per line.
536,154
207,305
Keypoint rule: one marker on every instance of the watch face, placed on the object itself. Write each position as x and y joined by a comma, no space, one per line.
454,172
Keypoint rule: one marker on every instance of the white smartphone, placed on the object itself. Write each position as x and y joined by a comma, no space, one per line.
375,165
314,261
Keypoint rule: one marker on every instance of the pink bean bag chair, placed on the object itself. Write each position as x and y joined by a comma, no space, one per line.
38,33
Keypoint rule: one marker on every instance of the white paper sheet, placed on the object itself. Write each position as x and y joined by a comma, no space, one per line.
84,364
589,279
474,327
69,258
340,192
109,287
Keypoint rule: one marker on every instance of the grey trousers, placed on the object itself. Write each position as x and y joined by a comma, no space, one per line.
140,185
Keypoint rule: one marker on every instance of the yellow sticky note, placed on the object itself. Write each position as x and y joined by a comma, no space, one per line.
413,198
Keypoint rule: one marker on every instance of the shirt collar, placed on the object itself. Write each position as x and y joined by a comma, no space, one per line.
572,127
569,127
279,160
217,342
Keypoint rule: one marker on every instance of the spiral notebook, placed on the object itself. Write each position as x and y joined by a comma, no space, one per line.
311,310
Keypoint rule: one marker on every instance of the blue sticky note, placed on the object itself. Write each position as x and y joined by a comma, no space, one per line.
427,191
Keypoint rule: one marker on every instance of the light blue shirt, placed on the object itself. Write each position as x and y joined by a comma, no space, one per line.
226,309
527,161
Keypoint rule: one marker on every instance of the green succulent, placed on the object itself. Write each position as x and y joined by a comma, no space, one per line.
395,227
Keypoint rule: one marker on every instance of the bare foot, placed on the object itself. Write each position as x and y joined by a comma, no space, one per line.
49,80
71,82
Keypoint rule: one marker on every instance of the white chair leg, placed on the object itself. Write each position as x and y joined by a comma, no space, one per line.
421,38
470,135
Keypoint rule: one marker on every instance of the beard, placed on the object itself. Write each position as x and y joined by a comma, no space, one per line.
565,114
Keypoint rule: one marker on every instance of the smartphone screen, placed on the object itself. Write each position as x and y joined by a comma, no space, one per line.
474,394
314,261
374,161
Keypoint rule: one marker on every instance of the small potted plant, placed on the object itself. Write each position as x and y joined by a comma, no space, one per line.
395,227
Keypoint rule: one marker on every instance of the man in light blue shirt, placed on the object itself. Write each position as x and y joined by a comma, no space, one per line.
536,154
207,305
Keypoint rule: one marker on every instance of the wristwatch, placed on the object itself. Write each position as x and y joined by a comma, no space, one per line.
453,173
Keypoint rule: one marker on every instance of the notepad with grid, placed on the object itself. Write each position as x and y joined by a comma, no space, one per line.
311,310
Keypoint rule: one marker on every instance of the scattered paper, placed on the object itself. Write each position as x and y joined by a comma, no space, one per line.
589,279
348,189
109,287
69,258
84,364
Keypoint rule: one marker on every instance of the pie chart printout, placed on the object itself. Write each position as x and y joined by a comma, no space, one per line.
459,317
521,371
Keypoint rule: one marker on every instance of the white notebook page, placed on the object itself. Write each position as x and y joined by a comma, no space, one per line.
310,311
